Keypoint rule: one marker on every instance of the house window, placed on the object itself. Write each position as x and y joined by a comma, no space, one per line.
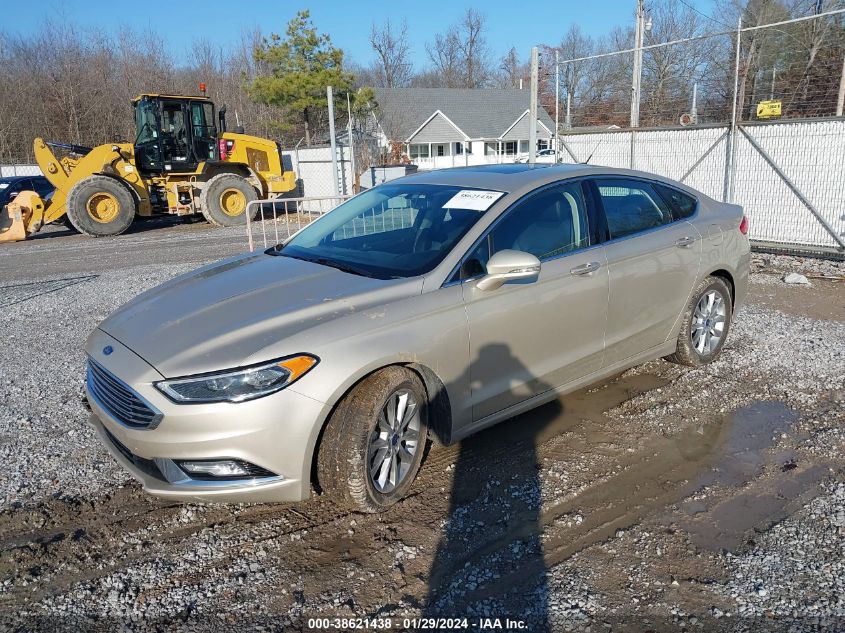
418,150
490,148
542,144
510,148
441,150
523,147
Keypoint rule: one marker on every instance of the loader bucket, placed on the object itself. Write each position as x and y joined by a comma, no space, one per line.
21,217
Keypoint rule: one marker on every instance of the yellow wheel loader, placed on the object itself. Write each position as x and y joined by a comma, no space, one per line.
183,162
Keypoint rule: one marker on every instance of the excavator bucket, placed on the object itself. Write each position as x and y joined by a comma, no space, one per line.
21,217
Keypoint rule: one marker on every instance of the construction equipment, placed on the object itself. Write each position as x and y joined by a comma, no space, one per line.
180,163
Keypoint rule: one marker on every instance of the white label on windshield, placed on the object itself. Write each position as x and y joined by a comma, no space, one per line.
3,185
473,200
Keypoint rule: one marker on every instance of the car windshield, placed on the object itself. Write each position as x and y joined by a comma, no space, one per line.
391,231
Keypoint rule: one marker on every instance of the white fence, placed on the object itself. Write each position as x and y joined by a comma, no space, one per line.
19,170
810,155
313,167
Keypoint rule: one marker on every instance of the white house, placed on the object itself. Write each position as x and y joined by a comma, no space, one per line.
450,127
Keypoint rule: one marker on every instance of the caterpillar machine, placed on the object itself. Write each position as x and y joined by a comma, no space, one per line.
183,162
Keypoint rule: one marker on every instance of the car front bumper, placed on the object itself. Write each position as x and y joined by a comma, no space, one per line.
276,433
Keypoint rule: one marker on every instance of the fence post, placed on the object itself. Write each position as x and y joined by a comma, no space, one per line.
332,140
730,162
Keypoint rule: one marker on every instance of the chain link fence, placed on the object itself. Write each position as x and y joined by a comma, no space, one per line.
750,114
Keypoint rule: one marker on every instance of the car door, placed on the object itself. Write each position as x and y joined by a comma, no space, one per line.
529,337
653,261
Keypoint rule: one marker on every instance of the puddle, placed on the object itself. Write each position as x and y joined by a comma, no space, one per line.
719,522
749,432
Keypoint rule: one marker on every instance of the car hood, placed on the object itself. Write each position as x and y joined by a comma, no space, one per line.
241,311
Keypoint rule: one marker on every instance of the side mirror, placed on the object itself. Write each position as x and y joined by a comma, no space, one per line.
508,265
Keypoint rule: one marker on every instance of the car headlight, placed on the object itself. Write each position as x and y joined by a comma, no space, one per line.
238,385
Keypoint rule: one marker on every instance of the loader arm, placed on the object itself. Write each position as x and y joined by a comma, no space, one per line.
116,160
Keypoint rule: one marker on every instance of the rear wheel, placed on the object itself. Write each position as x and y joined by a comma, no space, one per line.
225,200
99,206
706,324
373,444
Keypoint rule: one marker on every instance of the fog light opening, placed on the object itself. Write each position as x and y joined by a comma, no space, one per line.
210,469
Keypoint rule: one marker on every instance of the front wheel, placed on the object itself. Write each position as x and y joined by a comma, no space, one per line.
100,206
373,444
225,200
705,325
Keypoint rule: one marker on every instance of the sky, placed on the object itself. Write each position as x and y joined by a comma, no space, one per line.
509,23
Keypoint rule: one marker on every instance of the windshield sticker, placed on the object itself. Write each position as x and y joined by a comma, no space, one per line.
473,200
3,185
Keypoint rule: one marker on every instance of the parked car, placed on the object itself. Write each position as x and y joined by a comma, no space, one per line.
543,156
431,306
13,185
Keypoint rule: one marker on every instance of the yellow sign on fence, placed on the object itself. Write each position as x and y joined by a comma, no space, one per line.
768,109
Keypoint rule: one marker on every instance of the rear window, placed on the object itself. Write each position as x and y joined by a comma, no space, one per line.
683,205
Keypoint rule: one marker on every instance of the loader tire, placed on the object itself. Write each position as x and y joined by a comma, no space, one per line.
100,206
225,200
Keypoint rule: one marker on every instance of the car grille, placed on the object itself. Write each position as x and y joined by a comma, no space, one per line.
146,466
123,404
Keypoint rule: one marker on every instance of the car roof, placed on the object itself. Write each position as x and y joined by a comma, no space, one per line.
521,177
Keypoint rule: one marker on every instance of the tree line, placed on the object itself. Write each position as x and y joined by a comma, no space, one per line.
68,84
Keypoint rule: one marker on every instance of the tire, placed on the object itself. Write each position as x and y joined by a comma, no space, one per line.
100,206
697,342
352,441
225,199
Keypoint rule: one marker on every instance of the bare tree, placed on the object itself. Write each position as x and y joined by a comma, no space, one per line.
461,55
393,67
511,70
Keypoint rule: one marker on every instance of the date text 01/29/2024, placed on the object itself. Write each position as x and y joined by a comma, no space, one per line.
416,624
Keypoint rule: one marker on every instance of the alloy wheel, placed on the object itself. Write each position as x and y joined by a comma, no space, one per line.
707,327
394,441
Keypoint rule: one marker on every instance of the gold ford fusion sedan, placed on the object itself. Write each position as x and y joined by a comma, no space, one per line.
429,307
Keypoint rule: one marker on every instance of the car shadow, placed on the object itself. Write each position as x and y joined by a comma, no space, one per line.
493,522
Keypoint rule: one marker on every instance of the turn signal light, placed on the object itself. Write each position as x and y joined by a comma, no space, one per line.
743,226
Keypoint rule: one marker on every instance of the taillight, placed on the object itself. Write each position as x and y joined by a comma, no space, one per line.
743,225
226,147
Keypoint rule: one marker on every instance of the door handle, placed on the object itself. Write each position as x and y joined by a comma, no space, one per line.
684,242
585,269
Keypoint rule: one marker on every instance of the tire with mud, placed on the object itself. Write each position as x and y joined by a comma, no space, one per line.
705,325
374,442
100,206
225,199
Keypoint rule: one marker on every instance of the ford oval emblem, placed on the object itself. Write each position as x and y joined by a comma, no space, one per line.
107,350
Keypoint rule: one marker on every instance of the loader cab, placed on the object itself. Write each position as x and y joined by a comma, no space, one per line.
174,134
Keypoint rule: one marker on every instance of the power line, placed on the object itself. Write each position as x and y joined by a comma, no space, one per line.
704,15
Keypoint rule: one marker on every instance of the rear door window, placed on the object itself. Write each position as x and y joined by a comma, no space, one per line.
683,205
632,206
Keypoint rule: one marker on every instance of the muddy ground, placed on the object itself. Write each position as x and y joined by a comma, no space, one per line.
667,499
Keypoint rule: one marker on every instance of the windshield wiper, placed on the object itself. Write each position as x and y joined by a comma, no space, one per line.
324,261
344,267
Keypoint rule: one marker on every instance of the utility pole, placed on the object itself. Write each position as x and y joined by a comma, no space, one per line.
332,139
568,97
638,65
532,129
694,110
557,105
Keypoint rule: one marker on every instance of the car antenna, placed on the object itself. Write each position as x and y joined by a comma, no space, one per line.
589,158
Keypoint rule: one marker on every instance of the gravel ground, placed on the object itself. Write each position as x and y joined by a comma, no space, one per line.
666,499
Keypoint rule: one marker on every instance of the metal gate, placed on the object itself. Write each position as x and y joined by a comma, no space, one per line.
789,176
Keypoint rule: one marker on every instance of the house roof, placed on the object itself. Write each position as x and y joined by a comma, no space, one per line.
478,113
